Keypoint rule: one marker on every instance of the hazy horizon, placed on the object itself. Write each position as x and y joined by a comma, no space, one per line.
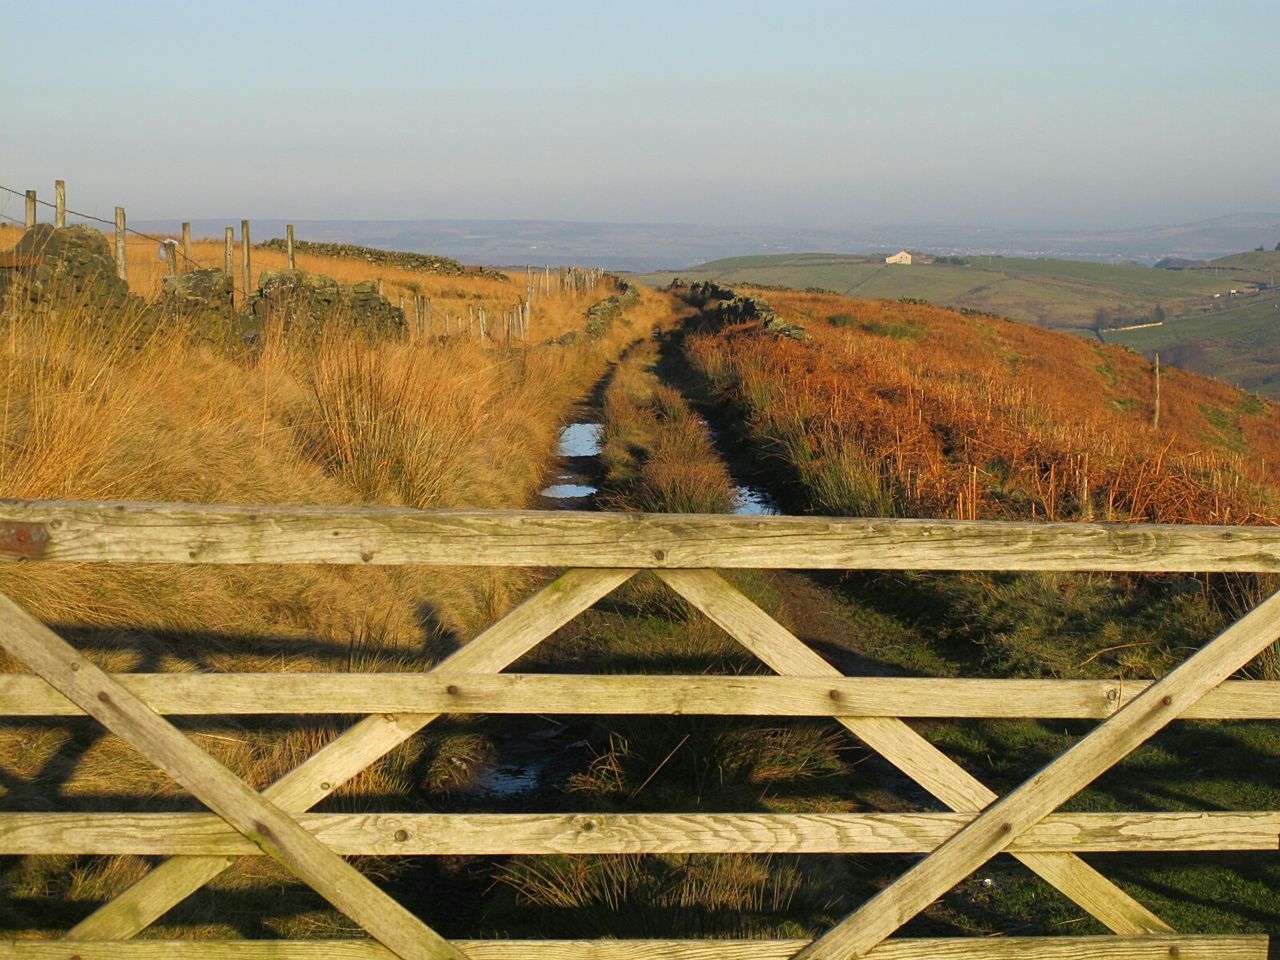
1084,116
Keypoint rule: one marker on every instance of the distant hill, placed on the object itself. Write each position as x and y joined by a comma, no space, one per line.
1236,339
1059,294
661,246
1089,299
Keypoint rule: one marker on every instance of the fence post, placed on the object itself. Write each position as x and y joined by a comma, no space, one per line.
1155,416
288,246
171,254
244,255
59,203
31,209
122,263
229,260
186,244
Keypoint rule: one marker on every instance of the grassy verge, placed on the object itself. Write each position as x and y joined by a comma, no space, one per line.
656,454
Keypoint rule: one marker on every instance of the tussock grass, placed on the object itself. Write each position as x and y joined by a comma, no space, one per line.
118,408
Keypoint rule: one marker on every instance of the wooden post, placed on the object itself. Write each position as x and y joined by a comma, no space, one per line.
229,255
122,264
288,246
59,203
244,257
1155,415
186,244
31,209
171,254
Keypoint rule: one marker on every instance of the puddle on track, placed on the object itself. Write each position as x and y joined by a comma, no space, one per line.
573,489
532,764
753,502
568,491
580,440
509,780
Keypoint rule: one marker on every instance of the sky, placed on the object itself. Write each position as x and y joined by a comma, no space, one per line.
1022,115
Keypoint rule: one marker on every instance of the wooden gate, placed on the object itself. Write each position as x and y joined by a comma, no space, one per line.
600,552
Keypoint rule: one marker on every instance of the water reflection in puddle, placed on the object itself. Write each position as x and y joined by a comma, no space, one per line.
580,440
750,502
509,780
566,491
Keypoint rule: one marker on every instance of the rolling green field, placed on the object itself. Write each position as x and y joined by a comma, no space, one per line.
1062,294
1238,343
1236,339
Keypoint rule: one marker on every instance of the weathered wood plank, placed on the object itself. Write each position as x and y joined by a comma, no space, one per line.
195,694
228,694
88,531
259,820
310,782
1222,947
894,740
452,834
1010,817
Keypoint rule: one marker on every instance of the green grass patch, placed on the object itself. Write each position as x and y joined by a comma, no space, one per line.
1251,405
1226,430
895,331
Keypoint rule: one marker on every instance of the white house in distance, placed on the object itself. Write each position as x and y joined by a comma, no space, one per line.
909,257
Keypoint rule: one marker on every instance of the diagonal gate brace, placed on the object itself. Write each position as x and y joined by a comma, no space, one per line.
1003,822
496,647
898,743
274,831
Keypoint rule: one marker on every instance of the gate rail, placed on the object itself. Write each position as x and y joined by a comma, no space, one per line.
603,551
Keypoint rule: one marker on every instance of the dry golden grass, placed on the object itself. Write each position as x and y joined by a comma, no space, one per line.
553,312
127,411
454,299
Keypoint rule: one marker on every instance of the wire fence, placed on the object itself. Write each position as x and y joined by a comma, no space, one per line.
80,214
515,320
90,216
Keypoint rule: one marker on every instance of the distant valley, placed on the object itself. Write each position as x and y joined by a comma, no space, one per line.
642,247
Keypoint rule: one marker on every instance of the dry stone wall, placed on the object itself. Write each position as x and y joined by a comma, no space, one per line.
423,262
310,299
71,265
